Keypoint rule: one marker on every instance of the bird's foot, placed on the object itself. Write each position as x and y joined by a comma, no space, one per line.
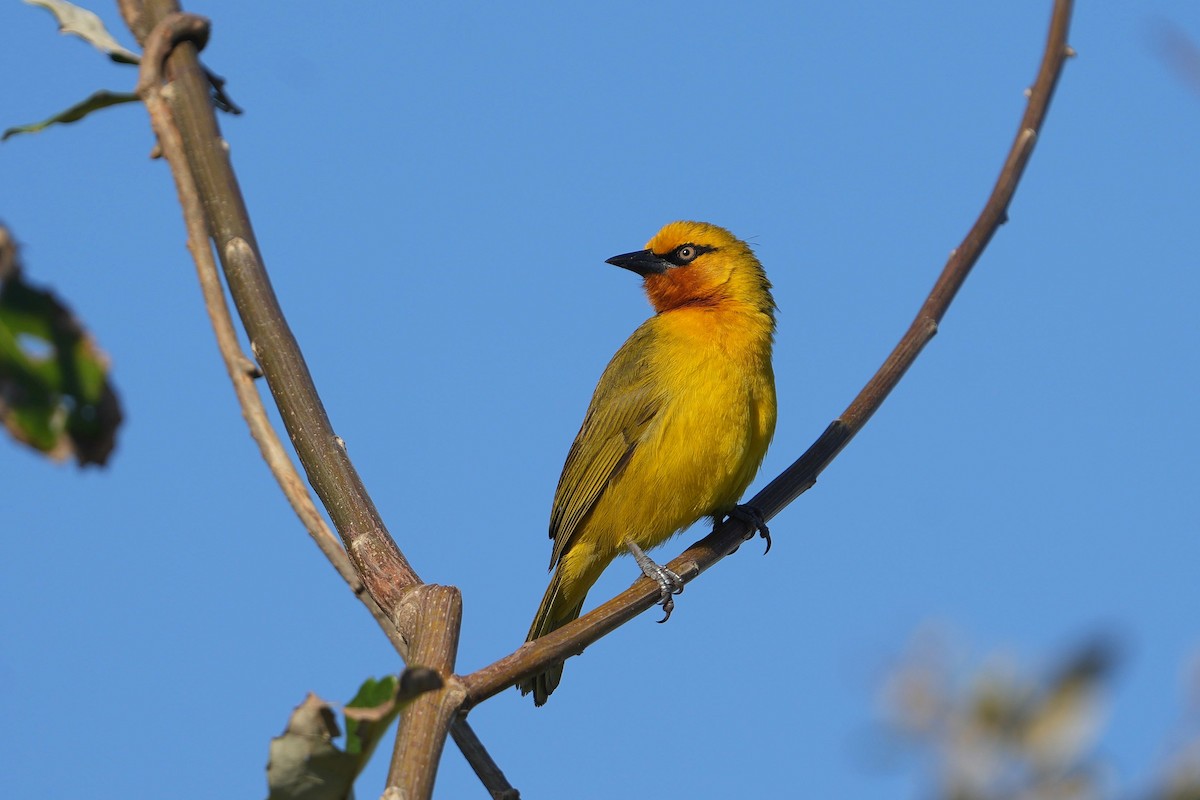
668,582
754,518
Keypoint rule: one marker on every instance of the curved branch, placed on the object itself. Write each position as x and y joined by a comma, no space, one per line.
571,639
242,259
242,372
377,559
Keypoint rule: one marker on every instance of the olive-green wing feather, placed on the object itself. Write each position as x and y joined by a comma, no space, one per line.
623,408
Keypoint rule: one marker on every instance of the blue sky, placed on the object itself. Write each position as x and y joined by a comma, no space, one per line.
435,191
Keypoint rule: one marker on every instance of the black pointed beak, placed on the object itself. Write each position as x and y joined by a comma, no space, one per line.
643,262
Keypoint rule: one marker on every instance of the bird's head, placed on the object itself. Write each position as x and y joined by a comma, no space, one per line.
697,264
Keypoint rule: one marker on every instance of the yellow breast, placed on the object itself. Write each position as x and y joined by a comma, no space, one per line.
711,371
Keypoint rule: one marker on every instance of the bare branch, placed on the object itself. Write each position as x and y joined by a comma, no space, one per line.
572,638
486,770
241,259
242,371
427,719
379,562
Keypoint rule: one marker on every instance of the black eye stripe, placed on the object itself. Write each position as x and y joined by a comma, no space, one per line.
686,253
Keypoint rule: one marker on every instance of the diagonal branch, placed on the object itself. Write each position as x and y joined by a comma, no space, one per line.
242,371
322,453
571,639
241,260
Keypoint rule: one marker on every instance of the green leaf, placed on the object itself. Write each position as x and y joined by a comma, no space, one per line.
369,714
55,395
99,100
76,21
377,703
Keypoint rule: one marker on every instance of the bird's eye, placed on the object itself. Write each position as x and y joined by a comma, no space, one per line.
686,253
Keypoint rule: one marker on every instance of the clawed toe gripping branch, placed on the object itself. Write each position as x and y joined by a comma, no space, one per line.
668,582
421,620
754,518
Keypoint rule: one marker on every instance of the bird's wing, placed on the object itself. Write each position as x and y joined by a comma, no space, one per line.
622,410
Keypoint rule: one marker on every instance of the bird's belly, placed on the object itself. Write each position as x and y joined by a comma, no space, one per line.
696,463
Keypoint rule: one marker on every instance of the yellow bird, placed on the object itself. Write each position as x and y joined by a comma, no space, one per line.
677,427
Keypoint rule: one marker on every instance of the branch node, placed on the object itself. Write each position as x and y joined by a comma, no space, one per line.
167,34
239,251
251,369
427,720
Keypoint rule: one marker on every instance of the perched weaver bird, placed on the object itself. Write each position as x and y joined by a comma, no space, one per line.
678,425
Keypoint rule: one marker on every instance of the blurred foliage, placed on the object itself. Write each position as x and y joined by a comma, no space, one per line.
1180,52
55,393
998,732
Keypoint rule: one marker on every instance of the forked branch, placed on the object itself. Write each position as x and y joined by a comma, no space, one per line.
212,206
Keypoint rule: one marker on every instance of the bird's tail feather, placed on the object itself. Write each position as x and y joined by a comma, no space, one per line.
556,610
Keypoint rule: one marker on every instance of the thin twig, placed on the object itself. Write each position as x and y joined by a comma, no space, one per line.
477,756
571,639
